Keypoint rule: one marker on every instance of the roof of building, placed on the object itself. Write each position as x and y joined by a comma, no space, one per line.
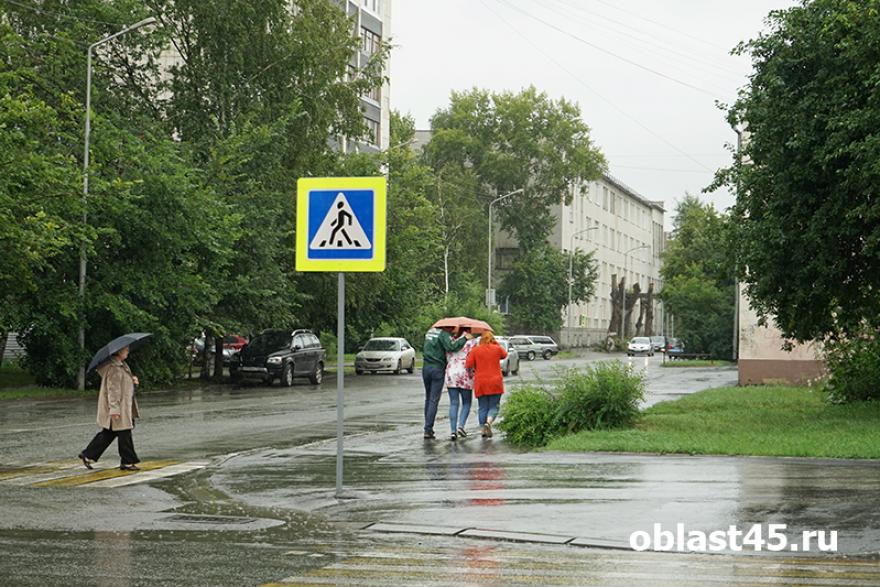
632,193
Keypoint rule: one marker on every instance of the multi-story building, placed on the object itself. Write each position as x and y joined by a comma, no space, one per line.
624,230
372,22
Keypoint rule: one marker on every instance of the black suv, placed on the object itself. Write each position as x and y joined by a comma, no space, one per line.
282,355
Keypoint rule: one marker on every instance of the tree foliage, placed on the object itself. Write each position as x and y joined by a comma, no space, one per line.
698,288
538,287
807,217
517,140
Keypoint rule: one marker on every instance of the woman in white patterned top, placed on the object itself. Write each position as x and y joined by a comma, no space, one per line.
459,385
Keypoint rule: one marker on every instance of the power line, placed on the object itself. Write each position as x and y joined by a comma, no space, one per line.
607,52
590,89
662,25
651,40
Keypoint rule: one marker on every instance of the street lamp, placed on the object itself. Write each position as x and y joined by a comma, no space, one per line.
623,301
81,374
492,203
571,266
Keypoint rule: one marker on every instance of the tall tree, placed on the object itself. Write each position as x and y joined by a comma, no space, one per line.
148,226
538,287
517,140
698,276
509,141
807,215
259,96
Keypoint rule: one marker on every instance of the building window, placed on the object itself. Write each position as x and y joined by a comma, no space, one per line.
375,94
373,131
370,41
613,199
604,198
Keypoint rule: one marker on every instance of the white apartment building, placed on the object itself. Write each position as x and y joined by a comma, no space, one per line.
625,232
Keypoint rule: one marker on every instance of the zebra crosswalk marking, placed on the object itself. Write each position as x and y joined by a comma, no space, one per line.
98,475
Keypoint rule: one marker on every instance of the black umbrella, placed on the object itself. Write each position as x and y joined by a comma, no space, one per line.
132,340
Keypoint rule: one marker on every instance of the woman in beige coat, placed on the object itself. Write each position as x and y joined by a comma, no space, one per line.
117,409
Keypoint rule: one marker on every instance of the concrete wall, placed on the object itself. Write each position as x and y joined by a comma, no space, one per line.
762,359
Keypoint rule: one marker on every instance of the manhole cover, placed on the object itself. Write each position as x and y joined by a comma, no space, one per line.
194,519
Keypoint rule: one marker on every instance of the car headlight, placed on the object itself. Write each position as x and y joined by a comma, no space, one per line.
274,361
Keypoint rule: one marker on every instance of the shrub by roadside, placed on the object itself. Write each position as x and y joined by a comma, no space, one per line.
604,396
529,417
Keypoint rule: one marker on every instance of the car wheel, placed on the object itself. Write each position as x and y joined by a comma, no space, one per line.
318,375
530,355
287,375
399,370
412,366
547,355
358,372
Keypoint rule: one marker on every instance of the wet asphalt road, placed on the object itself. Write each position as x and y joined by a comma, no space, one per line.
272,517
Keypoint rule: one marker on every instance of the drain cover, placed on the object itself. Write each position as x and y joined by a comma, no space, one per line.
195,519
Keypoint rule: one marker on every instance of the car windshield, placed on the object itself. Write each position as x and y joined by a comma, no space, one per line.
270,341
503,343
656,339
377,344
641,340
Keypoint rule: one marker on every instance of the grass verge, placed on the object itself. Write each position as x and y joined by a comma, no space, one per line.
696,363
759,421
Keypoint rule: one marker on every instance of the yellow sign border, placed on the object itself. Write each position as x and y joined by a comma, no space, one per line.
380,213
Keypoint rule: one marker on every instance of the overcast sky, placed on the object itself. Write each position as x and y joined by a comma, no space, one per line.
661,136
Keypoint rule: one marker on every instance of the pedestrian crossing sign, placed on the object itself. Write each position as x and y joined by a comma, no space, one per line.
340,224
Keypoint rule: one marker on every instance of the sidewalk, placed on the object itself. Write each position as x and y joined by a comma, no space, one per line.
398,483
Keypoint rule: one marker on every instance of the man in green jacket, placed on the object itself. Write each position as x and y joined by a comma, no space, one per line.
438,342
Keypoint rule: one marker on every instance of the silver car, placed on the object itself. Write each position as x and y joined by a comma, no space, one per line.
509,364
385,354
531,346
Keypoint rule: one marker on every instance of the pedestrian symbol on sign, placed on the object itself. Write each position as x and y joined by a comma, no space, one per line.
340,229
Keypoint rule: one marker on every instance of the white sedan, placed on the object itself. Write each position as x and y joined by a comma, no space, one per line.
385,354
640,345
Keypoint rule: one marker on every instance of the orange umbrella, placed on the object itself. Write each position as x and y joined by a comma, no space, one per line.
463,322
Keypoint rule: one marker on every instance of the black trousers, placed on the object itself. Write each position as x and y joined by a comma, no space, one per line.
102,440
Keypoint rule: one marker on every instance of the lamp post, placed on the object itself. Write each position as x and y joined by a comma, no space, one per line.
489,272
623,300
81,374
571,266
735,352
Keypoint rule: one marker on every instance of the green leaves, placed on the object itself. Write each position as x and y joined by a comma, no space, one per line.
807,218
698,272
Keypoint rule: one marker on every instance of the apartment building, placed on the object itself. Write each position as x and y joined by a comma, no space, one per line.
624,230
372,22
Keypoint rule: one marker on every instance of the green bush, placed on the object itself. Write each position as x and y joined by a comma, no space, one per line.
529,417
606,395
853,368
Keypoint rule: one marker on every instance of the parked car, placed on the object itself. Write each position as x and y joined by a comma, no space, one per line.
658,343
674,347
282,355
232,345
385,354
509,364
530,346
640,345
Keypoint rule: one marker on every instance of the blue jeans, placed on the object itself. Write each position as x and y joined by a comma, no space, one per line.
488,407
433,377
454,415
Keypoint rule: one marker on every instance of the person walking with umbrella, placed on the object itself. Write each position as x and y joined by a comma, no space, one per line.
485,360
117,406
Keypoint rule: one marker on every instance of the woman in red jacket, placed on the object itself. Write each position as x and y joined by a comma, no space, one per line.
485,360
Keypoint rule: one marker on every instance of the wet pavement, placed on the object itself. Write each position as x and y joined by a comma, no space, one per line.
249,500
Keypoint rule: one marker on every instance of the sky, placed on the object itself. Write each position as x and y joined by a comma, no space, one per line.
647,75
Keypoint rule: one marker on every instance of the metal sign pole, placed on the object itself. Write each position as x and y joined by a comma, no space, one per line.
340,378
